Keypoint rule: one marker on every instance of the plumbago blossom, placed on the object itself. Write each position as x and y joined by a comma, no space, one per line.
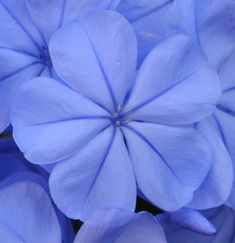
110,127
211,24
26,27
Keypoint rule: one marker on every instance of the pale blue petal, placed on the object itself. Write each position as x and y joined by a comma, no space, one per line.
60,12
153,21
174,85
161,156
24,218
216,188
223,220
15,68
99,176
51,121
97,57
193,220
120,226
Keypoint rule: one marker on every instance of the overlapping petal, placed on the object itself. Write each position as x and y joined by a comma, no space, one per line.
222,218
21,201
174,85
216,188
120,226
153,20
60,12
189,219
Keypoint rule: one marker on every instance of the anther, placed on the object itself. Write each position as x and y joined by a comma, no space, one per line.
128,121
119,108
118,123
128,112
115,115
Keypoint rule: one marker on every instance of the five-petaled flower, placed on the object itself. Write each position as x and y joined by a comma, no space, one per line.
111,130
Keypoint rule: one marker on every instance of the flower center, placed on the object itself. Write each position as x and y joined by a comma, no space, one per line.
119,118
45,57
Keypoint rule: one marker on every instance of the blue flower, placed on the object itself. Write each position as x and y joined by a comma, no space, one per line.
211,25
120,226
26,27
222,218
111,128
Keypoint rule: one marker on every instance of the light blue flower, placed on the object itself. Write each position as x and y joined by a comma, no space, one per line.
110,128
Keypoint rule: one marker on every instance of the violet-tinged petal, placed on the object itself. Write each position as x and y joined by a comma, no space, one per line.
223,220
99,176
161,156
193,220
21,201
120,226
56,119
174,86
153,20
97,57
15,68
216,187
60,12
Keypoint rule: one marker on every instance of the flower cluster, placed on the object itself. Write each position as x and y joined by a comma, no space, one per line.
119,114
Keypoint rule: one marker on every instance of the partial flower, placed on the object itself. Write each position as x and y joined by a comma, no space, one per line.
110,128
153,21
26,27
28,185
223,219
212,26
27,214
120,226
188,219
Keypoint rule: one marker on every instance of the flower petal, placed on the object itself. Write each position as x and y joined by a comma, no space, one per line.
174,85
22,201
170,162
193,220
17,31
51,121
153,21
15,68
215,189
59,12
225,122
99,176
97,57
120,226
223,220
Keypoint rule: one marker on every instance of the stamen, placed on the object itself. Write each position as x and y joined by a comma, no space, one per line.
128,121
128,112
118,123
119,108
115,115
